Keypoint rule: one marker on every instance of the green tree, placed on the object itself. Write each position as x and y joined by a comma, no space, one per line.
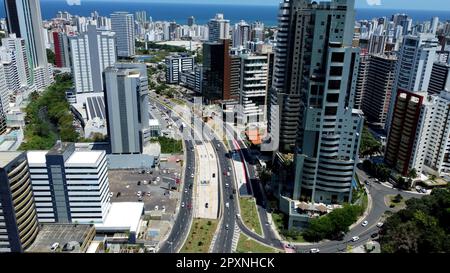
51,56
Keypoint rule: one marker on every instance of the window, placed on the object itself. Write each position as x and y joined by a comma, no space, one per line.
336,71
338,57
334,84
330,111
332,97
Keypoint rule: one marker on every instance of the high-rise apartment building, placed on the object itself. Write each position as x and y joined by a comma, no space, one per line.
361,82
405,148
241,34
439,79
18,218
219,28
329,126
69,186
4,100
253,88
127,99
378,88
191,21
24,20
414,66
92,52
18,47
175,65
61,46
437,135
122,23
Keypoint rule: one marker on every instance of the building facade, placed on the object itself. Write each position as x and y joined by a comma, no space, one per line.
122,23
378,89
219,28
175,65
70,186
324,68
25,21
127,99
92,52
18,217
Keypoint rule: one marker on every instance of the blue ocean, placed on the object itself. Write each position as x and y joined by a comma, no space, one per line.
203,12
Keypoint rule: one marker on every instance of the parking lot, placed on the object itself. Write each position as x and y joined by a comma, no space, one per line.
159,187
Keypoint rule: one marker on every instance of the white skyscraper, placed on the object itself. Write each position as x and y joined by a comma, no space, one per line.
414,66
122,23
241,34
92,52
24,19
68,185
219,28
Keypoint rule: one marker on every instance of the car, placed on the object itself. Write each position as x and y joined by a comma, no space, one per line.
231,197
192,175
418,189
380,224
111,194
367,182
365,223
190,186
227,205
424,190
185,191
148,194
226,185
374,235
228,174
227,226
206,205
229,168
355,238
234,191
54,246
139,183
182,204
314,250
158,179
224,172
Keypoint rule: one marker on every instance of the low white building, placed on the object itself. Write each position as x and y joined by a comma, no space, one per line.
70,186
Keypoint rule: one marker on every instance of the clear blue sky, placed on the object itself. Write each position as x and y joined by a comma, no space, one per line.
385,4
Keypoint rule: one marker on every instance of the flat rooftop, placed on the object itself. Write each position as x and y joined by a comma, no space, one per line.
123,216
36,157
62,234
85,157
95,107
7,157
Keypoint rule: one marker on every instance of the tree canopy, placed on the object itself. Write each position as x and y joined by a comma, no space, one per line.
422,227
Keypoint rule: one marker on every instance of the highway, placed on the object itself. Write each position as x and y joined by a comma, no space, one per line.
181,227
226,232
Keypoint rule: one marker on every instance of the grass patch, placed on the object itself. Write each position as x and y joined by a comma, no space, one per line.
169,145
200,236
178,101
250,215
396,201
247,245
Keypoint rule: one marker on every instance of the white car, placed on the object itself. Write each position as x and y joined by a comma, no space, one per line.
354,239
182,205
54,246
314,250
365,223
227,205
111,194
380,224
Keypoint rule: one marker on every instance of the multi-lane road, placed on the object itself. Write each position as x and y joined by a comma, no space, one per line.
228,204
